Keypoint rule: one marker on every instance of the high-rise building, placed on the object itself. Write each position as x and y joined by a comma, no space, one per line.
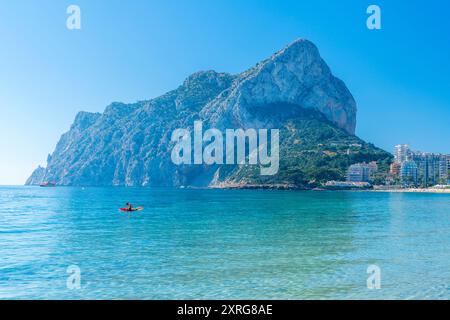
402,153
448,168
408,173
443,169
359,172
429,169
395,169
432,169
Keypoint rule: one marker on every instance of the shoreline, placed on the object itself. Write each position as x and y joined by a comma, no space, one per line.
419,190
286,187
296,188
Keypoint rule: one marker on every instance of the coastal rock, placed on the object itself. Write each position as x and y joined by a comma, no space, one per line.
293,90
37,177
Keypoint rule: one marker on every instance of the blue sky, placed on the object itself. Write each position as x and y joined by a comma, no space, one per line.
136,50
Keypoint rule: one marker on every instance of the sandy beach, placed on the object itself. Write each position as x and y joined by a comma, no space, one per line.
421,190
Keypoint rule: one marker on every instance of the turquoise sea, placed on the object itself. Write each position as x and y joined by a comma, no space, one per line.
222,244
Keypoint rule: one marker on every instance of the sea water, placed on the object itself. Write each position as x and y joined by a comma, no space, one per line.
222,244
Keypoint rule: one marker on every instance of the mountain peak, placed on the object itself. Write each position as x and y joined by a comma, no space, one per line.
296,75
298,45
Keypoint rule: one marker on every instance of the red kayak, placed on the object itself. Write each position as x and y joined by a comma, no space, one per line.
132,210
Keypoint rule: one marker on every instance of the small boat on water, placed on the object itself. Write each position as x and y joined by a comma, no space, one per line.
47,184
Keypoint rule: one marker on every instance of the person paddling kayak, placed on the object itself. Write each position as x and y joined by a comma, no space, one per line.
129,206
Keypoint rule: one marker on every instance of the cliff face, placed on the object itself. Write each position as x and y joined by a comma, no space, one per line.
129,144
296,75
37,177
